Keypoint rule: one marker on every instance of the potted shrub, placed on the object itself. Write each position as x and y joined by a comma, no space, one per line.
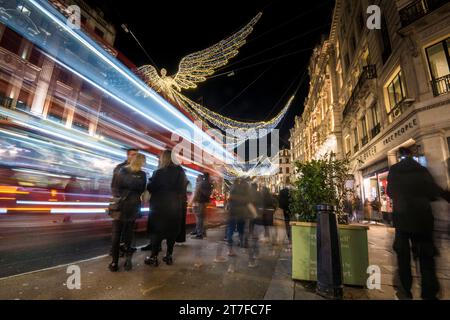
323,181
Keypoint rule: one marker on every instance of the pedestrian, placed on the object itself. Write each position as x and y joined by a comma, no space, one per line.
202,197
73,190
181,238
130,184
131,154
267,212
238,210
194,204
411,188
256,200
167,187
284,204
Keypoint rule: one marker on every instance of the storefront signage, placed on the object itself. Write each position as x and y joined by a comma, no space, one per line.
400,132
372,151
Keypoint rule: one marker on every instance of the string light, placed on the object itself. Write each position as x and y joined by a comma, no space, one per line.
197,66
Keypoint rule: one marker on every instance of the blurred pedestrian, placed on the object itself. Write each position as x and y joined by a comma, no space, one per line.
238,212
131,154
284,204
73,190
167,187
412,188
253,247
268,202
184,205
130,183
201,199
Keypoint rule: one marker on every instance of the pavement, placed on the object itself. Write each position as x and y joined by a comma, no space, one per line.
202,270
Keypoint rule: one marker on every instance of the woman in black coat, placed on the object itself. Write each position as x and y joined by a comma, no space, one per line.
131,182
168,193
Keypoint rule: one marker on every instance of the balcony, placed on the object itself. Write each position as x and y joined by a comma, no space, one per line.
364,141
6,102
399,109
375,130
419,9
441,85
369,72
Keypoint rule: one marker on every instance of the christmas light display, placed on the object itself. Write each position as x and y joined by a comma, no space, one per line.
197,66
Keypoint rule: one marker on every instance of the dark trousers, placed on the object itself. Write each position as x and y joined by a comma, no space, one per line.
423,248
200,216
287,221
235,223
122,230
156,240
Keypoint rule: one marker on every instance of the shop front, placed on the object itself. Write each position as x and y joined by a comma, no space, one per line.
377,205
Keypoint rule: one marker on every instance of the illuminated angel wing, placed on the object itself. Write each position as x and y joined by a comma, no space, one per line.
194,68
151,77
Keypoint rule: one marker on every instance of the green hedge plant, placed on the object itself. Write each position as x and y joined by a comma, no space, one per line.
320,181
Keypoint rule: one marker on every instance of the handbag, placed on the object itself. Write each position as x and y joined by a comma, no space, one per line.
115,206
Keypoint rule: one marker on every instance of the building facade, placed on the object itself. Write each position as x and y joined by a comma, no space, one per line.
393,90
283,177
318,131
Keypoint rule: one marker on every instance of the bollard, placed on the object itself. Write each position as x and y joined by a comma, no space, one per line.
329,265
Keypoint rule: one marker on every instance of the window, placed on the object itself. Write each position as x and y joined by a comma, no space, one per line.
355,139
99,32
287,170
11,41
348,147
438,57
375,116
375,120
281,170
396,91
386,40
364,138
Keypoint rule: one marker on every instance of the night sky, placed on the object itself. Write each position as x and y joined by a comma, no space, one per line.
268,69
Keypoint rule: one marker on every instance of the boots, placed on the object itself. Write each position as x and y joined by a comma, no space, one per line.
152,261
128,264
113,267
168,260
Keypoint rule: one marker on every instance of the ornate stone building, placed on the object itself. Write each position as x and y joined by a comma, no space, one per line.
318,131
392,90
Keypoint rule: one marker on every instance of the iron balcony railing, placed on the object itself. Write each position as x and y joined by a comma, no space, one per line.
369,72
419,9
6,102
441,85
399,109
375,130
364,141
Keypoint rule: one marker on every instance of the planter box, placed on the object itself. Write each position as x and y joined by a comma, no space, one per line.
354,253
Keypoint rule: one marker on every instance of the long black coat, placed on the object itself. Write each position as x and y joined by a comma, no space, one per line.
411,188
131,185
168,192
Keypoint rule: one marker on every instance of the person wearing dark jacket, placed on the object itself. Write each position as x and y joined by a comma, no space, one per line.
284,202
131,154
238,210
268,202
411,188
201,199
167,187
131,181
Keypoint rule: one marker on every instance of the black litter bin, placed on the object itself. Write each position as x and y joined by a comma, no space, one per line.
329,265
